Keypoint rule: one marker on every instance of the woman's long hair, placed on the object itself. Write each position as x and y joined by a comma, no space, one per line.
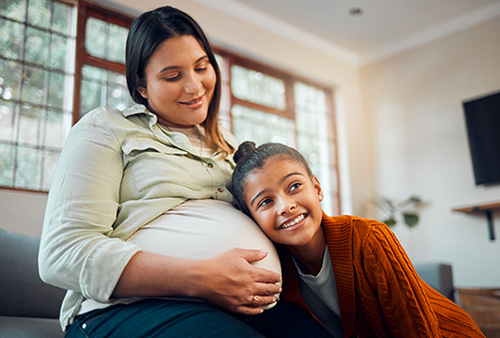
147,32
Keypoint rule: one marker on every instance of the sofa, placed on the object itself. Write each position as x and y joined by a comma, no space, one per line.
30,308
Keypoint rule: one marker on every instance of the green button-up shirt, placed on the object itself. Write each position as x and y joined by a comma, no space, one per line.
117,171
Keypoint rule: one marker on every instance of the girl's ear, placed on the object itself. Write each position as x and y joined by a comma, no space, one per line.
317,187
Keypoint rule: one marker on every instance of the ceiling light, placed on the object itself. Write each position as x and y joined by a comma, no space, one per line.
356,11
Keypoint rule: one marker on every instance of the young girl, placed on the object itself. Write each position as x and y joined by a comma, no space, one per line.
350,272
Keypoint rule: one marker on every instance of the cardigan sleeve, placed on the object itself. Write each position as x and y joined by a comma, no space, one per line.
399,291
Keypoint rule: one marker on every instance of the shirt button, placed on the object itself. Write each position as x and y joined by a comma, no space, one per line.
220,190
210,165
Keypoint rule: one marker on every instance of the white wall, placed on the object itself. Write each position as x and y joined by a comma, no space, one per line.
22,212
420,146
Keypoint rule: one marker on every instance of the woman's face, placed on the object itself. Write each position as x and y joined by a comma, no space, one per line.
180,82
285,202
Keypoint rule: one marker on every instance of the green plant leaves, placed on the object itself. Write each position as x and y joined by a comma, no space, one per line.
411,219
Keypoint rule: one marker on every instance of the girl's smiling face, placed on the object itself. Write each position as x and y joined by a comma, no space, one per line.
180,82
285,201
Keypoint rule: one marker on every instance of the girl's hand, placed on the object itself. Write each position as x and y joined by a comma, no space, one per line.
230,281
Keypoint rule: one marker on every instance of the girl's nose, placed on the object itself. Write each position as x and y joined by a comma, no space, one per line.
286,206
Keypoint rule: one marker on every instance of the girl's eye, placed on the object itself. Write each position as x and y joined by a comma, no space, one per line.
264,202
200,69
294,186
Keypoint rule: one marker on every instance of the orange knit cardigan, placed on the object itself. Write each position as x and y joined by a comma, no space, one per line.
379,292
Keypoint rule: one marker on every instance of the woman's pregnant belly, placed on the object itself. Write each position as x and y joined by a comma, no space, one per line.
200,229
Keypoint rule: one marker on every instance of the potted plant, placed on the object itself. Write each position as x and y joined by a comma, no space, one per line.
408,209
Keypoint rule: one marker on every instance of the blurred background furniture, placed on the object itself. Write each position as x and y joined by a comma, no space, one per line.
439,275
483,305
28,306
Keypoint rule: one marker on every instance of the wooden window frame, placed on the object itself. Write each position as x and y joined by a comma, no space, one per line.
85,11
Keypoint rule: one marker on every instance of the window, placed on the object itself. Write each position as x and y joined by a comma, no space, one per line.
36,87
54,70
264,104
103,81
51,72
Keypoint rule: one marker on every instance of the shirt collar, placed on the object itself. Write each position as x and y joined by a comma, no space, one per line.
138,109
141,109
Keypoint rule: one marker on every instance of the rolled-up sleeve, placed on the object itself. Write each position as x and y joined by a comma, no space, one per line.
78,251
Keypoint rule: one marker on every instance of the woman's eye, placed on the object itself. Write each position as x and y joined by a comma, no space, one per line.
173,78
201,69
294,186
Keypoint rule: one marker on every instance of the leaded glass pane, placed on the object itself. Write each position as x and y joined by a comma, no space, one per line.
57,127
117,95
56,89
95,37
6,164
29,128
38,41
7,121
13,9
90,96
39,13
59,53
11,39
27,168
93,73
101,87
253,86
33,85
116,43
254,125
62,18
105,40
50,159
10,73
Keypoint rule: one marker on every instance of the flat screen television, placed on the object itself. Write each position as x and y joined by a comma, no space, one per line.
482,119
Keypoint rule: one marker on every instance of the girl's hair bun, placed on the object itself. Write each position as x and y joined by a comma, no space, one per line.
245,150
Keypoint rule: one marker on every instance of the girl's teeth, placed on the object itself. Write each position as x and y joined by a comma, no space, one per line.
292,223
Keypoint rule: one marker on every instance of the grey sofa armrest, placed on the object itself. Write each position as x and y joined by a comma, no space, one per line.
22,291
438,275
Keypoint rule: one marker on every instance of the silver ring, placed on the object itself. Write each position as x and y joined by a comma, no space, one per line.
255,299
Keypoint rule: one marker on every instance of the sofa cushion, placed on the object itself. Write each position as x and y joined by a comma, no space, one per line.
438,275
24,327
22,291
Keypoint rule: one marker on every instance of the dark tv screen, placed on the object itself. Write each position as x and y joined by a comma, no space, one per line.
482,119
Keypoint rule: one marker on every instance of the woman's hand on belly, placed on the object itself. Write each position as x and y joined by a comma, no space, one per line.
230,281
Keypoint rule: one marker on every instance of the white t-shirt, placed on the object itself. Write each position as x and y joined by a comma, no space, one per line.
320,294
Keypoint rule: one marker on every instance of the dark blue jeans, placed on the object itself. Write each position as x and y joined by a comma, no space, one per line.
179,319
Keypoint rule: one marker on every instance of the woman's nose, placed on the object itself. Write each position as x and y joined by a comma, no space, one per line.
193,84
